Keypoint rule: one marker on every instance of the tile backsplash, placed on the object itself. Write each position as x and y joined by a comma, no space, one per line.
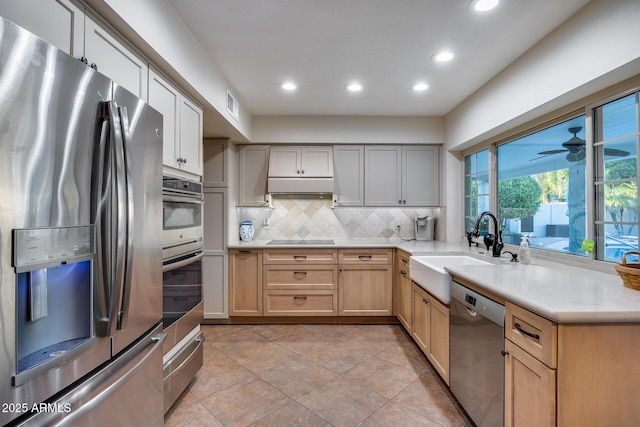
312,217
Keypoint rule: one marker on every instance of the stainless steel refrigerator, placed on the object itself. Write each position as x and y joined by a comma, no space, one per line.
80,243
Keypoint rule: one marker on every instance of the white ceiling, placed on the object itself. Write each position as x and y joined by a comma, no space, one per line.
387,45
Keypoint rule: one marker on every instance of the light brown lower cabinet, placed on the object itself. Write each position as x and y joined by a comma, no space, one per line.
365,282
430,329
402,295
245,282
365,290
529,389
570,374
300,303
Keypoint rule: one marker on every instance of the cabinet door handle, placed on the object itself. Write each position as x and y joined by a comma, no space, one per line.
365,257
424,300
300,272
303,297
504,353
302,171
299,257
529,334
399,202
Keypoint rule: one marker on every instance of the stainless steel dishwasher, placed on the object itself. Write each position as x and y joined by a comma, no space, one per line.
476,361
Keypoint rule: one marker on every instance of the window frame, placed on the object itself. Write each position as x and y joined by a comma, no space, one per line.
586,107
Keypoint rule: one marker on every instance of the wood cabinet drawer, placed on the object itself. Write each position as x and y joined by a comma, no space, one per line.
365,256
535,334
402,261
300,303
300,277
296,256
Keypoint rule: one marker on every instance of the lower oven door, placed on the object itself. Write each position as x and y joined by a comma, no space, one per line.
182,307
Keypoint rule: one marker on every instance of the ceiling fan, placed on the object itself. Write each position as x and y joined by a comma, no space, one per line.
575,148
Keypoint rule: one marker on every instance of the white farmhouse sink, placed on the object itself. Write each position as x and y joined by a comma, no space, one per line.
428,272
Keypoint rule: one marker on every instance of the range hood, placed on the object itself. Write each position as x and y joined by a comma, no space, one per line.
300,170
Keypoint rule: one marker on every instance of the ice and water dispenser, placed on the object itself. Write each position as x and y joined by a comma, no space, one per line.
54,296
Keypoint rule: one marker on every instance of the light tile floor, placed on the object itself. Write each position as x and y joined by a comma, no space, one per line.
314,375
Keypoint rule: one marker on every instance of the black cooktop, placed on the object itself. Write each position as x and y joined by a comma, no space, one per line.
301,242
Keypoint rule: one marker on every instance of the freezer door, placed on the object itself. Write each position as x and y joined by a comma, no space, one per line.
141,301
126,392
48,114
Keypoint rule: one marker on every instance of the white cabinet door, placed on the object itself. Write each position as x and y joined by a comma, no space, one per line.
114,59
420,176
215,283
253,161
166,99
382,183
215,166
348,175
190,137
316,162
182,125
59,22
284,161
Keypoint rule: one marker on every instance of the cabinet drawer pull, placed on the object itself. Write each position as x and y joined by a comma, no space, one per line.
365,257
244,252
300,272
299,257
404,273
299,297
529,334
405,261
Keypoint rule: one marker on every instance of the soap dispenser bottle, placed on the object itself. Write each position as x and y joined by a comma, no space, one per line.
524,252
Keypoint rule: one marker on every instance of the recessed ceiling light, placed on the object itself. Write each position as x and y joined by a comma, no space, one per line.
443,56
354,87
289,86
419,87
484,5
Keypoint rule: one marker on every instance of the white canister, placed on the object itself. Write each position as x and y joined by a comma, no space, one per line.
246,230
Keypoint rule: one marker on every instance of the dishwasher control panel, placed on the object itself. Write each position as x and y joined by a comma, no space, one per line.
478,303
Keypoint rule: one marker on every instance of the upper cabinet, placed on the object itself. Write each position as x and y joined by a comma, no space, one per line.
420,176
293,161
348,161
253,163
70,27
382,181
182,125
402,176
59,22
109,55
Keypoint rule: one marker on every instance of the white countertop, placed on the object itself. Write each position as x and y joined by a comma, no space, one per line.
559,292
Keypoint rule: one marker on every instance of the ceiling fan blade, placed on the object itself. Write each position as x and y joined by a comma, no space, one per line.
551,152
615,152
540,157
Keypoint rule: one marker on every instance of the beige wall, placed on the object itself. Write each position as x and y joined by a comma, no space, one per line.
347,129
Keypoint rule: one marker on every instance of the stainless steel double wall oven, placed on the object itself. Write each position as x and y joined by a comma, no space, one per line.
182,246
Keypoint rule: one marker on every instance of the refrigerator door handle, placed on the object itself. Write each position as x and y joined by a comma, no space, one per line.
125,159
106,204
99,208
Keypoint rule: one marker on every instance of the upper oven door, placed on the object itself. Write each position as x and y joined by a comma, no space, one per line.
181,223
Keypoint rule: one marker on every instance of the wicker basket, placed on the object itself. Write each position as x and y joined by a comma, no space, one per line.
630,273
